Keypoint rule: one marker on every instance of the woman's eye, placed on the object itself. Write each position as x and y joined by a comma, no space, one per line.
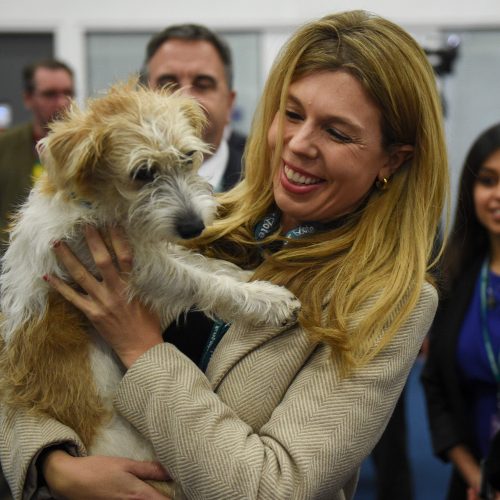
292,115
338,136
144,173
487,181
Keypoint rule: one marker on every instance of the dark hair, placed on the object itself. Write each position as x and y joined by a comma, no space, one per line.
30,70
193,32
469,238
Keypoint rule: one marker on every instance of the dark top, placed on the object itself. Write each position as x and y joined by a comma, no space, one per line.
190,334
234,167
445,390
474,364
17,159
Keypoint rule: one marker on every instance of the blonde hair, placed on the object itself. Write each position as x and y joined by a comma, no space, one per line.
383,250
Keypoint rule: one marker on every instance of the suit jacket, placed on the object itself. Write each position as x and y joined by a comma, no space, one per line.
234,167
447,402
271,418
17,159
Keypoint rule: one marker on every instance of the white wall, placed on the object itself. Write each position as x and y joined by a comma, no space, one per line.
70,20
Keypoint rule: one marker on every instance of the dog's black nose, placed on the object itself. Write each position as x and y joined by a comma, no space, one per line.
191,228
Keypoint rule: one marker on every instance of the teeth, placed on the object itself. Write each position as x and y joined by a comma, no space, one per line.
297,178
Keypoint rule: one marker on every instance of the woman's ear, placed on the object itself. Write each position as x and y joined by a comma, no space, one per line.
397,156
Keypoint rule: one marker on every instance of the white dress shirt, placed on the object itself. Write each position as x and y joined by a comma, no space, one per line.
214,167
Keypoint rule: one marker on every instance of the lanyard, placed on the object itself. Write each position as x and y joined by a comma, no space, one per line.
494,363
268,225
219,328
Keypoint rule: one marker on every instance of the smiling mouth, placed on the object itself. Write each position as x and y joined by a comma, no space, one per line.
299,178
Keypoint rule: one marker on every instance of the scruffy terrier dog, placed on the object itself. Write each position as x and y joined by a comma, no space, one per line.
130,158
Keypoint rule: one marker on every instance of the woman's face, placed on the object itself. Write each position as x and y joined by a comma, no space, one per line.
332,148
487,194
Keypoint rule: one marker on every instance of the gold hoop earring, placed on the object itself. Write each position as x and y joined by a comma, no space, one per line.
382,185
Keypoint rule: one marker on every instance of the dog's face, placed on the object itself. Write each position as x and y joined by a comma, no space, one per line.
133,155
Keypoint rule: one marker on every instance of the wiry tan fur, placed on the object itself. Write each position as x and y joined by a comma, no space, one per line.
57,344
130,158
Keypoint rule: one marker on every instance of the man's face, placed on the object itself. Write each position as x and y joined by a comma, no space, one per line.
52,93
195,66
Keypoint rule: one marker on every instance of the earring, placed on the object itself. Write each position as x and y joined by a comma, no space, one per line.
381,185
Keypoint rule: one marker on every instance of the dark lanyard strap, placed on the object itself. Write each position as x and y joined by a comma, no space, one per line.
268,225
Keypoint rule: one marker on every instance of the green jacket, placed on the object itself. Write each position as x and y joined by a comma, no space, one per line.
17,159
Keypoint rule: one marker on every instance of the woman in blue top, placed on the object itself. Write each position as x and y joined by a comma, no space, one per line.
462,374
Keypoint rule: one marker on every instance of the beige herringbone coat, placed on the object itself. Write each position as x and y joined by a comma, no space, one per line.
271,420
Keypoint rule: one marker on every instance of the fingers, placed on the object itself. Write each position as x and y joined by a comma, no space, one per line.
155,475
122,248
149,470
81,275
77,271
80,301
101,255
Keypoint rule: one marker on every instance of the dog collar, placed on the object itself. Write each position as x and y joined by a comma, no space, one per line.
83,203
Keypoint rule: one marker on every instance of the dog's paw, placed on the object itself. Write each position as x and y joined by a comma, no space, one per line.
270,304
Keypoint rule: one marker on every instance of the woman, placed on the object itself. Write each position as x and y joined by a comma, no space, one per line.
459,377
345,181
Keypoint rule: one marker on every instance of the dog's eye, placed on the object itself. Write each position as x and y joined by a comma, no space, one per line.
144,173
189,155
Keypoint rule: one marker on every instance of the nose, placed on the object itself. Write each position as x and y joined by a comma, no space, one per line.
187,89
302,140
497,189
190,227
62,101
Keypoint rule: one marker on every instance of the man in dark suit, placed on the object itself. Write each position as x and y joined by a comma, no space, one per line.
194,58
48,89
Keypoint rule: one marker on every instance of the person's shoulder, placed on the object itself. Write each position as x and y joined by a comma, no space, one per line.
427,302
15,133
429,292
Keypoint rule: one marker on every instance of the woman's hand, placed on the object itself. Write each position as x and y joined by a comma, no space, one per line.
129,327
468,467
99,477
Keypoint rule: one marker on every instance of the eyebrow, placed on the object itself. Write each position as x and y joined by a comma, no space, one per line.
488,170
338,119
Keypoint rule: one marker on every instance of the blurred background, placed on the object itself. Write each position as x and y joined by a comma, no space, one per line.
104,40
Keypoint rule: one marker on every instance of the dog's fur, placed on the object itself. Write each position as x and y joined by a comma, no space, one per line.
131,159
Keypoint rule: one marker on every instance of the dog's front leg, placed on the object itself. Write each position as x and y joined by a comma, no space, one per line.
181,280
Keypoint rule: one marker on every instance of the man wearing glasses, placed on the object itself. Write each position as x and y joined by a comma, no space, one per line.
48,90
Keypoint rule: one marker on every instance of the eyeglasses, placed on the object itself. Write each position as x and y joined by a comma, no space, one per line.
51,94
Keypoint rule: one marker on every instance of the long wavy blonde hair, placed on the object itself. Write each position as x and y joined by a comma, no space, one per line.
384,249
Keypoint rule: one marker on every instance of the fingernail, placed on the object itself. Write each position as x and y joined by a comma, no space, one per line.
45,277
56,243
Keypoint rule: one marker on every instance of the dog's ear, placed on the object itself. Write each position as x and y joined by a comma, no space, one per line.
195,115
71,152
